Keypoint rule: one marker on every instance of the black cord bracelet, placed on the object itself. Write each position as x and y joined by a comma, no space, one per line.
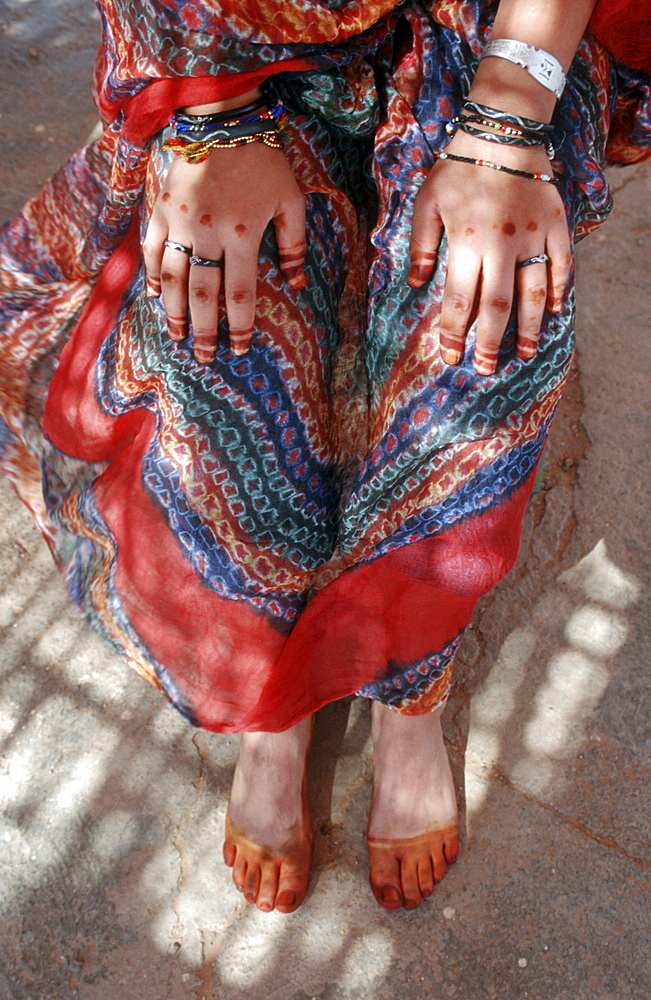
513,121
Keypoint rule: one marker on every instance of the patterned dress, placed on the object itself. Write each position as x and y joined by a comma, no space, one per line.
267,533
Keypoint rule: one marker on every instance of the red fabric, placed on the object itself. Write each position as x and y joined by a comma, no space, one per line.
399,608
624,27
401,617
148,111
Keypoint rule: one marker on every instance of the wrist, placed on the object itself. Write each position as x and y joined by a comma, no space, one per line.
532,158
508,87
216,107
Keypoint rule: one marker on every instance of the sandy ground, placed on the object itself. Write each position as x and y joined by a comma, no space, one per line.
111,879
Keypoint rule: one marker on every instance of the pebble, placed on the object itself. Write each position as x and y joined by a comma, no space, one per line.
449,912
522,962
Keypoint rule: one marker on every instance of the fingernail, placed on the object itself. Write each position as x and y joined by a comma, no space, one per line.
526,353
286,898
204,357
153,288
176,330
239,341
484,368
450,357
295,276
417,276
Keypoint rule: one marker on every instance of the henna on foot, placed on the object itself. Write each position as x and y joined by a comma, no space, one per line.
268,835
413,831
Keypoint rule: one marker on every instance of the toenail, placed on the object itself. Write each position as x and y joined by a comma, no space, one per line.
250,897
286,898
265,907
240,888
390,894
411,904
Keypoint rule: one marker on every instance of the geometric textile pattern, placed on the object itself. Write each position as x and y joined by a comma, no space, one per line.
267,533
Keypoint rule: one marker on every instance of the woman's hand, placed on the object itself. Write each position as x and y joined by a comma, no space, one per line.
493,221
219,210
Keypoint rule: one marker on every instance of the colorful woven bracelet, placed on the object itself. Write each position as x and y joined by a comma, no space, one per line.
194,137
257,111
197,152
221,117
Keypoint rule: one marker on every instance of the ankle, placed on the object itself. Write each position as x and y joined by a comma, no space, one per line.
290,744
395,734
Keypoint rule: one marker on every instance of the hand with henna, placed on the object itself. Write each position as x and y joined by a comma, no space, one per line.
218,210
493,221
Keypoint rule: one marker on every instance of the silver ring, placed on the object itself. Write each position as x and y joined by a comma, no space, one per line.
542,258
178,246
205,262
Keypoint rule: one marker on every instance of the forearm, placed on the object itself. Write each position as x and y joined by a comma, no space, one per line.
553,25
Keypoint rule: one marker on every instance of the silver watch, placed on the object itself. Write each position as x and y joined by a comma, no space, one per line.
543,66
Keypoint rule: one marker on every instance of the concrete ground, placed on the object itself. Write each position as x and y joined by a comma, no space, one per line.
111,879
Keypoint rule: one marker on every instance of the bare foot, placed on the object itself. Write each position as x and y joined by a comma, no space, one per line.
268,836
413,830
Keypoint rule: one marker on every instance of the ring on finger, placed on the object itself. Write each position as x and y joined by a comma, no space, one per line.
178,246
205,262
540,258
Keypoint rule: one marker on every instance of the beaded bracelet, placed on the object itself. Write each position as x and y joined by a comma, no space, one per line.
535,137
508,120
197,152
183,122
503,134
549,178
196,136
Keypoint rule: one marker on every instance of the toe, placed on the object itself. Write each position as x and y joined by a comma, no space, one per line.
409,880
252,883
239,872
229,851
268,887
389,897
292,886
438,864
439,844
286,901
451,846
425,877
385,878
